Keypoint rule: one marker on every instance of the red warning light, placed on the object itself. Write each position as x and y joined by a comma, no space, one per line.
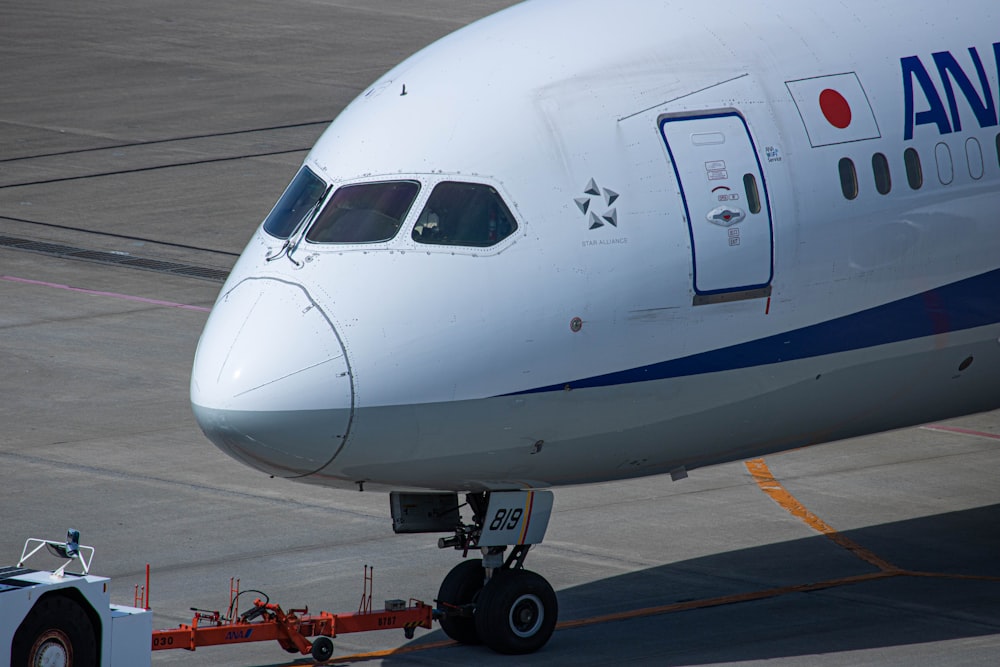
835,108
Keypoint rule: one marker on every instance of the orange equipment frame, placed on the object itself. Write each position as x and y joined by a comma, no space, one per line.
267,621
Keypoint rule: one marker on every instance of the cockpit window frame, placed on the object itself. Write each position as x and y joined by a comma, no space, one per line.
403,241
304,212
430,182
492,223
403,221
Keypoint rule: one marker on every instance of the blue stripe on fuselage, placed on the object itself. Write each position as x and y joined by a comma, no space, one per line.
969,303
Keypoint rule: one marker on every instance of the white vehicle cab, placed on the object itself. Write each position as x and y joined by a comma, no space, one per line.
55,618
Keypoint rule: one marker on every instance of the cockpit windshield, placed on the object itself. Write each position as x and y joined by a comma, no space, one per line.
466,214
300,198
364,213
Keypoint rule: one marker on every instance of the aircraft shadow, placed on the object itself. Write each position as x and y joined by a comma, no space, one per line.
888,611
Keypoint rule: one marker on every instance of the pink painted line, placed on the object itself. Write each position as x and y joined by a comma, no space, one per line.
961,431
113,295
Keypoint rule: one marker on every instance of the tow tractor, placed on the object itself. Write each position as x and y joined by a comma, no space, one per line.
62,619
56,618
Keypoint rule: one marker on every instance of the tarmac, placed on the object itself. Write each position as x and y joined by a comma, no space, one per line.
140,145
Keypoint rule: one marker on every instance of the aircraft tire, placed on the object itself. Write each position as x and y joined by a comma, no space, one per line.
516,612
58,632
460,587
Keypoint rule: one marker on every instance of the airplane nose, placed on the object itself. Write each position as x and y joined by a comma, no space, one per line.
271,384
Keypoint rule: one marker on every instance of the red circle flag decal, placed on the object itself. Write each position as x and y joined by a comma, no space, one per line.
835,108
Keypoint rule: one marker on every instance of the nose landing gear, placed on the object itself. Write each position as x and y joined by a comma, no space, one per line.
492,600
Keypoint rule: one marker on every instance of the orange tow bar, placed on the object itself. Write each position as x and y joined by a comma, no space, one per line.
266,621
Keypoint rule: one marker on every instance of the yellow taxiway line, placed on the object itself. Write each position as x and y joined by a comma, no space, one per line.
777,492
767,483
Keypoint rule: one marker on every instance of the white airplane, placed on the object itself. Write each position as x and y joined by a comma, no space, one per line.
579,242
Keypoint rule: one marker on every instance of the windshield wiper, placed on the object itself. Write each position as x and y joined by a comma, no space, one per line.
293,240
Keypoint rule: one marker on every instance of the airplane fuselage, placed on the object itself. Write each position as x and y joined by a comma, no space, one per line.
705,234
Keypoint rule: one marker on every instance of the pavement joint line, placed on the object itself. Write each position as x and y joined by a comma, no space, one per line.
960,431
114,295
242,496
126,237
151,142
949,575
138,170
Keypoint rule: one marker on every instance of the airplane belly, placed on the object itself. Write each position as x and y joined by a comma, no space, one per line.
272,384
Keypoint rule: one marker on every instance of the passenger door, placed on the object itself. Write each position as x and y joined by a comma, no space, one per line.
726,205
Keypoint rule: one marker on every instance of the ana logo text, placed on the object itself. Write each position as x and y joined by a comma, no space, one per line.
979,95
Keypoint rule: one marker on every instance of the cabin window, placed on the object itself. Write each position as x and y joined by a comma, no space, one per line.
466,214
974,156
848,178
299,201
880,167
364,213
945,167
753,195
914,172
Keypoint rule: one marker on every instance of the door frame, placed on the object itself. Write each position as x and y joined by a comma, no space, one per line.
738,292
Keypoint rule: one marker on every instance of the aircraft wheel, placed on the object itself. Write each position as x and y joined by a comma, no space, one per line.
460,587
57,633
322,649
516,612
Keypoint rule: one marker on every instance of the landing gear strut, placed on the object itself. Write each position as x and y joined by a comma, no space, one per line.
492,600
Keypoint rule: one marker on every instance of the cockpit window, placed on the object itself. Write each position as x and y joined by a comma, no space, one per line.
365,213
468,214
300,198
